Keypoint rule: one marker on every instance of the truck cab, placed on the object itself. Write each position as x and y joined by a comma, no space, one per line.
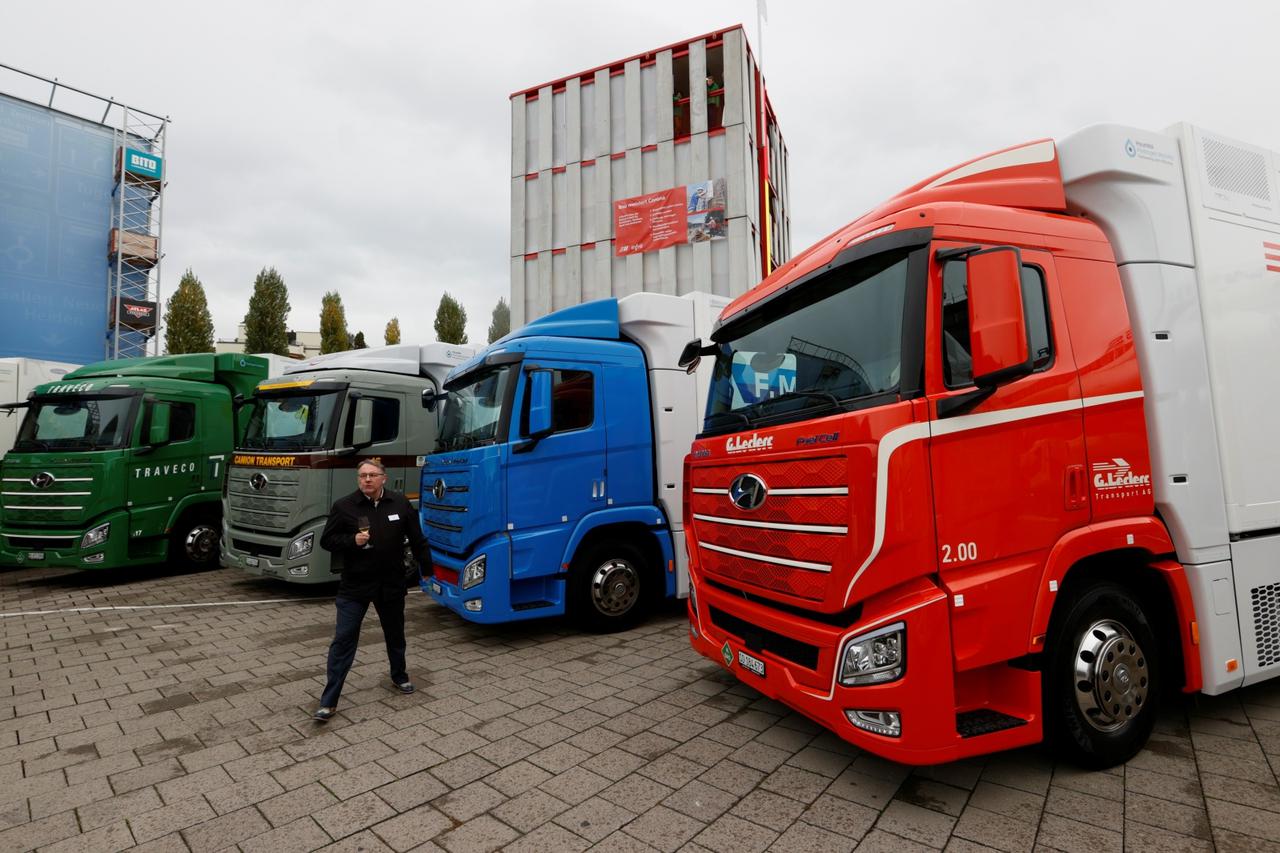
555,486
306,431
123,462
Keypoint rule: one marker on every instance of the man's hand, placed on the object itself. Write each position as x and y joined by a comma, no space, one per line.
362,538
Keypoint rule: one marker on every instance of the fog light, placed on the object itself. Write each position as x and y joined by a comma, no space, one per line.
96,536
299,571
876,657
301,547
94,558
473,604
887,723
473,573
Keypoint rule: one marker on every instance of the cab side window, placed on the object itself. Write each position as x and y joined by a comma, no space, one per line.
386,419
573,400
957,361
182,421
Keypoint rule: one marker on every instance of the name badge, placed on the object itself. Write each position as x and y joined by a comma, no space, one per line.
393,517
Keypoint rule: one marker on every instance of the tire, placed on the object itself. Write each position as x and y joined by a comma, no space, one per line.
195,541
1103,680
610,587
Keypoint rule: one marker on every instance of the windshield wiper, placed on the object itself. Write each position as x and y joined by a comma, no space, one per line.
825,396
738,415
40,445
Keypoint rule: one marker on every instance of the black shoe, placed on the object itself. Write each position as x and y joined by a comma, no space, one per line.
405,687
322,715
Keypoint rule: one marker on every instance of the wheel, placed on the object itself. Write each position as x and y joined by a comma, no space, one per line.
610,587
195,542
1102,685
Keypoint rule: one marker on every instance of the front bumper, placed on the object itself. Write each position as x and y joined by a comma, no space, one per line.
264,555
926,697
59,548
500,599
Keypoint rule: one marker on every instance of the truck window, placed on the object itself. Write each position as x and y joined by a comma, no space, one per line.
573,400
182,421
386,419
957,362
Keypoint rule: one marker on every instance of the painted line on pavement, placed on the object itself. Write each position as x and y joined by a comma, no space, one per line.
112,607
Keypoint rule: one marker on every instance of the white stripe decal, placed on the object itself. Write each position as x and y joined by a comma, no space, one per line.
774,525
902,436
765,558
1024,155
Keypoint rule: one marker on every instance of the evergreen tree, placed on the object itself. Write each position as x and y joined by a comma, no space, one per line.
392,334
451,321
188,325
333,324
359,343
264,326
501,323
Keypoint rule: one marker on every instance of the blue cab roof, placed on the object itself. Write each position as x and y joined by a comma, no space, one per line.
597,320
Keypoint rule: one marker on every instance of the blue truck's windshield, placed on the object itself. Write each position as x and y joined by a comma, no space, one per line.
292,421
72,423
841,344
472,412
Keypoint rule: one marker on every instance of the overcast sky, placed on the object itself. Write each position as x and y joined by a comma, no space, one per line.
365,147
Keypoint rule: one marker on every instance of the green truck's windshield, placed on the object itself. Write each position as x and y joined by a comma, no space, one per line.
840,341
77,423
293,421
472,413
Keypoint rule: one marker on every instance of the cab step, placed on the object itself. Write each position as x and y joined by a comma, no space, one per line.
985,721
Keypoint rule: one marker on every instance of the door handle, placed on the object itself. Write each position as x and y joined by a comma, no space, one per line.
1076,495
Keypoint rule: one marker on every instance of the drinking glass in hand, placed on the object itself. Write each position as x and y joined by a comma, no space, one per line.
362,525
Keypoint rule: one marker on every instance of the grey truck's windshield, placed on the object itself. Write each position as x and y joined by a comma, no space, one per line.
293,421
839,340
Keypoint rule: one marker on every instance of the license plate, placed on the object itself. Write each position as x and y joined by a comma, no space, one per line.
751,663
251,561
436,588
35,555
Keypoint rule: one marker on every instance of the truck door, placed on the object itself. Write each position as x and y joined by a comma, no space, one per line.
1008,474
161,476
389,441
554,482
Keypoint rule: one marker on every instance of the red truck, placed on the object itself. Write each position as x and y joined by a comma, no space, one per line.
996,463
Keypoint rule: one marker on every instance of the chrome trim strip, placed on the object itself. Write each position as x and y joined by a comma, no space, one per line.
11,506
775,525
765,558
35,536
56,479
815,490
45,492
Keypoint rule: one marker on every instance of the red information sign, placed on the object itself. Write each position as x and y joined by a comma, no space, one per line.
649,222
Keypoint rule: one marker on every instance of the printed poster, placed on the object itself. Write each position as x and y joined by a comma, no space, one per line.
694,213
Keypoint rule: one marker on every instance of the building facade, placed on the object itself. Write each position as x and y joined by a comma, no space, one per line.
665,172
301,344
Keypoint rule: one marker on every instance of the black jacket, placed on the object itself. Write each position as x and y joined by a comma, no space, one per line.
379,567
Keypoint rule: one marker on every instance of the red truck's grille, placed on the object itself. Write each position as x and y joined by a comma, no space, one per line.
792,543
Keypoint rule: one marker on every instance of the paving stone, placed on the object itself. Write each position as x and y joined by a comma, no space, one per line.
361,842
916,823
408,830
551,838
1243,819
701,801
879,841
348,784
636,792
244,793
170,818
1140,837
104,839
807,838
663,829
1073,836
225,831
300,836
462,770
730,834
530,810
411,791
288,807
933,795
768,809
70,798
595,818
38,833
613,763
996,831
860,788
468,801
481,834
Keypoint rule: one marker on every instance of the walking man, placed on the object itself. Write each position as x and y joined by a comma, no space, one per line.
368,529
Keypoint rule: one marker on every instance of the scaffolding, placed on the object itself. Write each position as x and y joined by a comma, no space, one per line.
134,251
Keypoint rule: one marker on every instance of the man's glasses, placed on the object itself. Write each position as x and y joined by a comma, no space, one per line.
370,476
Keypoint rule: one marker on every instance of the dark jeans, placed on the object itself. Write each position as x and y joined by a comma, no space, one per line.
342,651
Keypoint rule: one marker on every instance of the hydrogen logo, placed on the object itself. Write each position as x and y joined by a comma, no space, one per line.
1130,148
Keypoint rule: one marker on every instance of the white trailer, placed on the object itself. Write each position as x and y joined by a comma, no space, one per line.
18,377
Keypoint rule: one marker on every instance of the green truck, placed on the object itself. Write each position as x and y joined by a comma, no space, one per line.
123,462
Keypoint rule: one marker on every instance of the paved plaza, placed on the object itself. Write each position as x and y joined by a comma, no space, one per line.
171,712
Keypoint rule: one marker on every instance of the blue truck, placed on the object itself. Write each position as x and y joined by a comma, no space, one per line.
555,487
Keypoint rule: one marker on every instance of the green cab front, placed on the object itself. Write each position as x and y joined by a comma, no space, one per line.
122,463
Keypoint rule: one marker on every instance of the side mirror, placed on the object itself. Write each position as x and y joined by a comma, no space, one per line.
158,425
539,403
362,423
997,317
429,397
690,355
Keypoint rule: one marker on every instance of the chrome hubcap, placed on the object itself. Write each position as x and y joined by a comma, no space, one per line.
615,587
1111,674
201,542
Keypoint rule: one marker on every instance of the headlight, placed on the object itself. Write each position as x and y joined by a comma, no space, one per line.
96,536
876,657
301,546
473,572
